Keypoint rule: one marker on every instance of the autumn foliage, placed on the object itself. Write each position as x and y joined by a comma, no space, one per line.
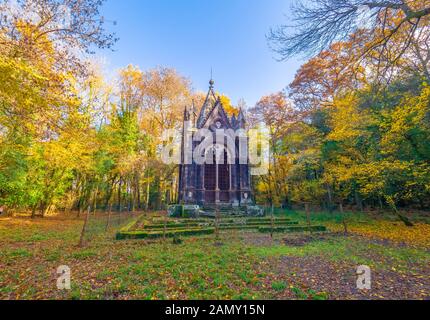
352,128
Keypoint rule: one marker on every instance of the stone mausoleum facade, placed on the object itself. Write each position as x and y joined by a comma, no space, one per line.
225,180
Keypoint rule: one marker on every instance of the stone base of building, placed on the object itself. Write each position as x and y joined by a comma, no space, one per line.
209,211
221,198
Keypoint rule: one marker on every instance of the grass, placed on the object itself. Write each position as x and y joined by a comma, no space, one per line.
279,286
15,254
323,216
351,217
242,264
84,254
178,272
309,294
52,255
292,229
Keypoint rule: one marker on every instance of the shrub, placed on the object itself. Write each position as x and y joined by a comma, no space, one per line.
160,233
292,229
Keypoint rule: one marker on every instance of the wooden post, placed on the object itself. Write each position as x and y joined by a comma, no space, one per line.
84,228
216,222
272,221
308,215
345,226
165,229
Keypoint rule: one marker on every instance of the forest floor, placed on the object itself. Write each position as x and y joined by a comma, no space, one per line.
241,265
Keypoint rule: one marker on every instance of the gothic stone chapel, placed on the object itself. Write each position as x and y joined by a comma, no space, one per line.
221,180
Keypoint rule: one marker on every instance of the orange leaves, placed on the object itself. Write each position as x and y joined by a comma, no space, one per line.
397,232
323,77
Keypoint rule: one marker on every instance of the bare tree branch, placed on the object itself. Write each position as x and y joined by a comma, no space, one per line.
316,26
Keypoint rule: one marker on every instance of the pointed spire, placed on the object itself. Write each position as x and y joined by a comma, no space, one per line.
208,104
211,88
241,116
194,112
233,120
186,114
241,119
211,82
194,107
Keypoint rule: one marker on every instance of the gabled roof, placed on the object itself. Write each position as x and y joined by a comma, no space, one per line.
194,113
241,118
233,121
212,103
218,104
208,105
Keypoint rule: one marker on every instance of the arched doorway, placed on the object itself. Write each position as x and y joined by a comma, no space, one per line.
210,181
224,179
217,177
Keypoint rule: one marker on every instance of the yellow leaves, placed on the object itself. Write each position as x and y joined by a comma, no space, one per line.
378,150
347,120
32,91
228,107
405,123
35,46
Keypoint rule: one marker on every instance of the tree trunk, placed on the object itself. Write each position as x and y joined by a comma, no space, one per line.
381,206
95,201
33,211
119,195
132,196
358,201
405,220
111,187
330,199
84,228
46,209
139,204
109,217
147,193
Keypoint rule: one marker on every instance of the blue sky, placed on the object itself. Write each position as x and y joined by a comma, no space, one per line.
194,36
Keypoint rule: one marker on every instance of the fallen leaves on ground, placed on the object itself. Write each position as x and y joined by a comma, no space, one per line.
418,235
243,265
